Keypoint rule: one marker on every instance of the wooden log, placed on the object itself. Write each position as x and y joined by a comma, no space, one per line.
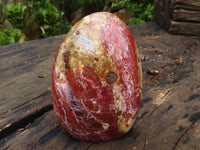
190,138
189,28
169,116
178,16
186,4
25,75
186,15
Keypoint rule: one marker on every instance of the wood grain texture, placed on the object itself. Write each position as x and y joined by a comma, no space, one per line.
43,133
185,27
25,74
186,4
178,16
168,118
186,15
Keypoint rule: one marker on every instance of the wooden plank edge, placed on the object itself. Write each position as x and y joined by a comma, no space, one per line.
186,4
22,122
190,28
186,15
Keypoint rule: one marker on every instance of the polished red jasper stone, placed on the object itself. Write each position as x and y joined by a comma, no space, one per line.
96,79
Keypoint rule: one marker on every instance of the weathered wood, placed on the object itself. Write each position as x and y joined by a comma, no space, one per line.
25,74
184,27
169,117
186,15
190,140
178,16
186,4
43,133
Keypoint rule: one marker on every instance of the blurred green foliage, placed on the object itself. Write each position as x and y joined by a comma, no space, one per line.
87,6
16,15
50,20
45,13
52,17
142,10
11,36
24,13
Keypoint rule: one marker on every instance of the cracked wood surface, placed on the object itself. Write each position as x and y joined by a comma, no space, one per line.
170,108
